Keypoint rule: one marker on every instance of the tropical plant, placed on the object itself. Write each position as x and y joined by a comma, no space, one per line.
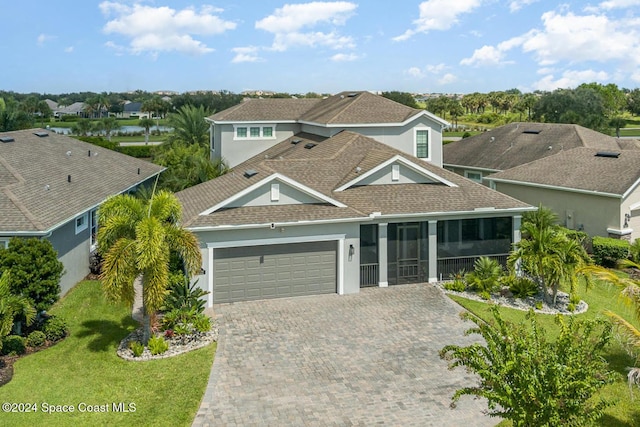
157,345
521,286
189,126
185,295
35,270
634,251
136,238
12,305
530,380
546,254
485,275
187,165
82,127
137,348
146,123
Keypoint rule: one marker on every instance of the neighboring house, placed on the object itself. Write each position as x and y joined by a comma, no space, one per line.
332,213
518,143
255,125
590,189
51,187
133,110
75,109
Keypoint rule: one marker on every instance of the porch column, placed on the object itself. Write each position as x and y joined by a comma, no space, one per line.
383,271
517,236
433,251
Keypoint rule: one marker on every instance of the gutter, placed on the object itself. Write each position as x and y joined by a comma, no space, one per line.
554,187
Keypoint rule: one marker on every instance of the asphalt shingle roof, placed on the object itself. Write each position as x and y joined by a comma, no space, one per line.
35,194
324,168
581,169
516,144
345,108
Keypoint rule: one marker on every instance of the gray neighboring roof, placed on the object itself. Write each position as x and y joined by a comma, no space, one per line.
132,107
345,108
580,169
513,145
324,168
74,108
35,195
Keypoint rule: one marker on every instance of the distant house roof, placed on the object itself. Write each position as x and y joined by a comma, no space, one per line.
35,193
330,169
614,172
518,143
53,105
132,107
345,108
74,108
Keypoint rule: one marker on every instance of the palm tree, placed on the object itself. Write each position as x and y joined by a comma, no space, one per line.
547,254
82,127
136,238
108,125
189,125
12,305
146,123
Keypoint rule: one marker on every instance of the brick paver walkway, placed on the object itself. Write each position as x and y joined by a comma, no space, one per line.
364,359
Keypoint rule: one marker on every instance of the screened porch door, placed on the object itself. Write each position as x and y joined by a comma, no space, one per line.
408,250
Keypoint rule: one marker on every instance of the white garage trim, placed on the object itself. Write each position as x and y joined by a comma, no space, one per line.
340,238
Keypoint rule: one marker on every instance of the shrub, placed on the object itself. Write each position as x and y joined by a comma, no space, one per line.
456,285
574,299
523,287
55,328
137,348
13,344
485,275
539,305
36,339
580,237
571,307
202,323
157,345
184,295
484,295
466,135
634,251
139,151
35,270
607,251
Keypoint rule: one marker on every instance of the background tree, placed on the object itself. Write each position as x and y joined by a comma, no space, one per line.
147,124
136,239
617,123
533,381
633,102
82,127
402,97
189,126
187,165
107,125
583,106
12,117
35,270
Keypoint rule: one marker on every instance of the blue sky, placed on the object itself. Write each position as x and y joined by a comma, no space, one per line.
450,46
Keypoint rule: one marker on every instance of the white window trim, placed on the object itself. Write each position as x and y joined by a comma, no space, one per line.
275,192
85,222
467,173
4,244
429,143
395,173
93,240
249,137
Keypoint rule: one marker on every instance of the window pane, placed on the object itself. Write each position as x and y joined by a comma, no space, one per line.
241,132
422,143
267,132
255,132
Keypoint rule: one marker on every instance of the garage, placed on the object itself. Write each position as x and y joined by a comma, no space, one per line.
274,271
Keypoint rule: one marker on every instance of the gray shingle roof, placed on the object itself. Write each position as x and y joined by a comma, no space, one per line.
516,144
331,163
580,169
35,195
345,108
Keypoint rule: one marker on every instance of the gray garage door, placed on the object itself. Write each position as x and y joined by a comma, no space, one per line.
274,271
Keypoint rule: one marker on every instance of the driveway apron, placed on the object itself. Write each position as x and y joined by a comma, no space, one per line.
350,360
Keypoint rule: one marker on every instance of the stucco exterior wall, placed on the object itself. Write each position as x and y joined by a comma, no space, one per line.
593,212
632,201
73,251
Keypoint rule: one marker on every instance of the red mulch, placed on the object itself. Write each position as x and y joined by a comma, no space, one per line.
6,362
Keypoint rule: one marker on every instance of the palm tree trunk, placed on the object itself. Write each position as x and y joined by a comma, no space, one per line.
139,312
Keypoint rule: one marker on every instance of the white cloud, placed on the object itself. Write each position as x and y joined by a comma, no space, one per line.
163,29
415,72
447,79
516,5
43,38
246,54
68,49
439,15
344,57
615,4
291,25
570,79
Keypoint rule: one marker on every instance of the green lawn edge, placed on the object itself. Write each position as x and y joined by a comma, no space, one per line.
84,369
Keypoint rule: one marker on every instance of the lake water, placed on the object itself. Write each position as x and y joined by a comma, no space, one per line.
122,130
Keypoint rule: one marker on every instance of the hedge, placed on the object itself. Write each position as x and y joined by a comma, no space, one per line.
607,251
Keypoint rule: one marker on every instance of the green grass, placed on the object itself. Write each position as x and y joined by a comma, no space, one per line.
624,412
84,368
130,138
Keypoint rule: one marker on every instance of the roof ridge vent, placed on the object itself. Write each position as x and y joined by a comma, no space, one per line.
610,154
6,139
250,172
352,94
41,134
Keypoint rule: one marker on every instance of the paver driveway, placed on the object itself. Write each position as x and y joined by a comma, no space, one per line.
364,359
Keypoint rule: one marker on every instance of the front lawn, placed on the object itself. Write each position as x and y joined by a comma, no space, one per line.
84,369
624,412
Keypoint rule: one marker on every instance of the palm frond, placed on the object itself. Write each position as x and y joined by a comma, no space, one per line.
119,271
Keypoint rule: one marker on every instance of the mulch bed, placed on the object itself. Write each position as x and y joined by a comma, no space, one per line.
6,362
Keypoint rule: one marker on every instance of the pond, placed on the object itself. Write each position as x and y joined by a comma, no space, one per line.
122,130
